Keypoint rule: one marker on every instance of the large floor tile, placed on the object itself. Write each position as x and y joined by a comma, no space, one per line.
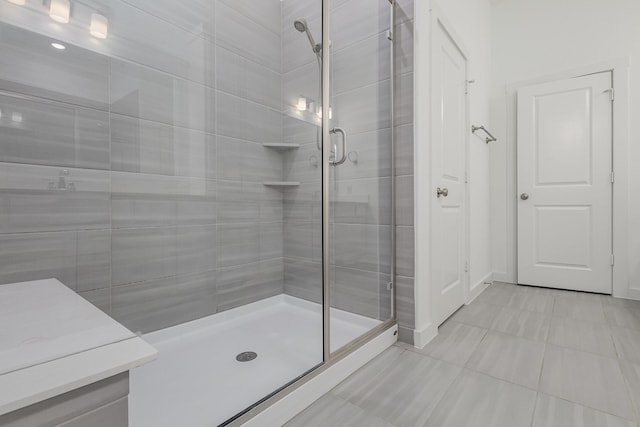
588,379
531,299
332,411
631,373
554,412
504,285
621,302
403,393
522,323
582,335
496,294
476,314
627,343
626,316
455,342
479,400
581,296
510,358
578,308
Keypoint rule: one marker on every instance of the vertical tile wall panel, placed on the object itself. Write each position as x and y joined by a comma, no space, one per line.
120,177
404,169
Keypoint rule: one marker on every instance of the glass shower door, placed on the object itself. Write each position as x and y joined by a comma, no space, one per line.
361,177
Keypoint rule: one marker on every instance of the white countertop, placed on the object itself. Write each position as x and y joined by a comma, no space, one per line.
53,341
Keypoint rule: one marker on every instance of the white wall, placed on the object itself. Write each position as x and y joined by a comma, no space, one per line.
470,21
532,39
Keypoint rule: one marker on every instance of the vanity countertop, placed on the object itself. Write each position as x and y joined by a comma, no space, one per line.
53,341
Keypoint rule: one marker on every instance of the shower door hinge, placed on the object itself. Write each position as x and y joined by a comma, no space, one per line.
613,259
466,266
466,85
389,286
613,177
389,35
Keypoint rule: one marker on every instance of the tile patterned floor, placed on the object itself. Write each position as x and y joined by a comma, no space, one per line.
517,356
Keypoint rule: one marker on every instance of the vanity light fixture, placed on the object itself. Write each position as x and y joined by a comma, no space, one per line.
99,26
58,46
60,10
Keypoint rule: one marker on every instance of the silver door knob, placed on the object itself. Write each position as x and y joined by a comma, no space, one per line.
442,192
524,196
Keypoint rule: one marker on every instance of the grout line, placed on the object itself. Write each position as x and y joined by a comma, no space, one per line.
535,405
444,394
627,384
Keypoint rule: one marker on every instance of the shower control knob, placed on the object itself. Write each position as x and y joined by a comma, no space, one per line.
524,196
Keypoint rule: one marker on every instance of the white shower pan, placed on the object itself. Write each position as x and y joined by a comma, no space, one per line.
197,381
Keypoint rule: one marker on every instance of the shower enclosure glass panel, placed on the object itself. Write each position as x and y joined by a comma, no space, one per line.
361,202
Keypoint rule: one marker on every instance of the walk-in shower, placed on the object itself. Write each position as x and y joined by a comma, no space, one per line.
196,208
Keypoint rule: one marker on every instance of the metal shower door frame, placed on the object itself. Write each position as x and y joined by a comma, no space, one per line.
326,182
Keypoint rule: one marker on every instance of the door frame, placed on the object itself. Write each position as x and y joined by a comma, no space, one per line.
619,69
428,15
604,165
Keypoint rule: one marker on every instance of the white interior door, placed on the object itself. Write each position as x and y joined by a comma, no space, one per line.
448,154
565,184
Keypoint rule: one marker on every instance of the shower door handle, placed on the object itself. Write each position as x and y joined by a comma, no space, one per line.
343,157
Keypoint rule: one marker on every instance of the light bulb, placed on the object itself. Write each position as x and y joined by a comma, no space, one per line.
16,117
18,2
58,46
59,10
302,103
99,26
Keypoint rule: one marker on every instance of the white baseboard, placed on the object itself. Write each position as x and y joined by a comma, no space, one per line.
424,336
296,401
632,293
503,277
477,288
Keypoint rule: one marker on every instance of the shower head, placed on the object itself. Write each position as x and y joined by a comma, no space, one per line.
302,26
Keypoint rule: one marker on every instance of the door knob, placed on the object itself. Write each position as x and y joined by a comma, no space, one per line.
524,196
442,192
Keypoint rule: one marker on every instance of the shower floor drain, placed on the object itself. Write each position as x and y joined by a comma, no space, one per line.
246,356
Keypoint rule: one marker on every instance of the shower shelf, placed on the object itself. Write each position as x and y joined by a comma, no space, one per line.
280,145
282,184
357,199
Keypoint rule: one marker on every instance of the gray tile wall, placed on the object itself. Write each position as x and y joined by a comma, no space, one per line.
162,141
361,209
405,252
302,206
